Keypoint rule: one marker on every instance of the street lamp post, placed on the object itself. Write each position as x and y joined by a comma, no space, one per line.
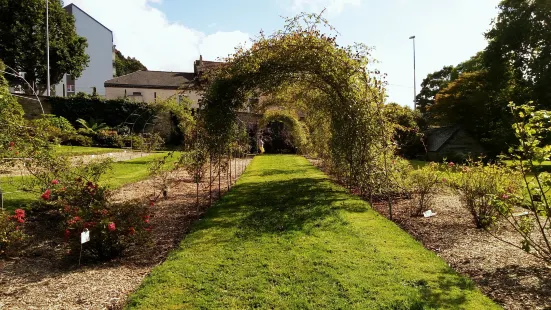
414,75
47,49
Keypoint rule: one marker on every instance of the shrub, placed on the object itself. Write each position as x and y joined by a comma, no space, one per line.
57,129
78,140
11,231
85,205
425,183
108,138
478,185
532,129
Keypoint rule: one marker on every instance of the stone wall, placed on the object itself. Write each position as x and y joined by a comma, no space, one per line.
32,107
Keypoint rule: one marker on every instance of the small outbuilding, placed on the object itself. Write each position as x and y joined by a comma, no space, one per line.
453,143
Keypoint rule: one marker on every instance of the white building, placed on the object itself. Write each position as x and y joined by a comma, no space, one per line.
102,57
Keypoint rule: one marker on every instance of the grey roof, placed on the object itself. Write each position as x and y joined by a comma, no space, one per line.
152,79
437,137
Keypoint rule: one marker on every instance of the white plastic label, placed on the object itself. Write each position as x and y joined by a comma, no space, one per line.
85,236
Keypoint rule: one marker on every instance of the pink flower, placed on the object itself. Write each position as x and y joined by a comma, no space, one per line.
111,226
20,213
47,195
505,196
55,182
451,164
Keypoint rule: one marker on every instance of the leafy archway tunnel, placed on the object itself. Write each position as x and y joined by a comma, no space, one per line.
304,70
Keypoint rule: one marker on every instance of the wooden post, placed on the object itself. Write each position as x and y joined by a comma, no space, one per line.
219,176
210,180
228,174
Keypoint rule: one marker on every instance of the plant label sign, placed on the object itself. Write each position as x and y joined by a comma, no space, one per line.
84,236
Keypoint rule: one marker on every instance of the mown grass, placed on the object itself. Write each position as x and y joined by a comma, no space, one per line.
122,173
285,237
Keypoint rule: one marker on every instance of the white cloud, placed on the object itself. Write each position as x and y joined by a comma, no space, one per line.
143,31
332,6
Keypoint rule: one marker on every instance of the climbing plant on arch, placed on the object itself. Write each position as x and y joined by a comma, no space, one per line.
291,124
349,95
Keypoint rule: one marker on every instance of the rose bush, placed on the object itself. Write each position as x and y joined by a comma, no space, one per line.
83,204
11,231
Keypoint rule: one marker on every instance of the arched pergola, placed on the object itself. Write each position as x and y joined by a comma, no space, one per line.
348,95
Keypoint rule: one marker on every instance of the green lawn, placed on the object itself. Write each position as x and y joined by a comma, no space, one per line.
123,172
83,150
285,237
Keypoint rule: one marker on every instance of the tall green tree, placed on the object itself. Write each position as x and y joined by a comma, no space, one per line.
431,85
519,48
23,41
127,65
439,80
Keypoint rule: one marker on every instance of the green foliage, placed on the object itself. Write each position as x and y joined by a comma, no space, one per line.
92,126
291,123
425,183
11,231
84,204
531,128
23,41
439,80
114,113
408,124
286,237
478,185
127,65
334,80
519,51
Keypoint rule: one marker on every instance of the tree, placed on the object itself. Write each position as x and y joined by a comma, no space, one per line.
435,82
127,65
23,41
431,85
519,47
472,102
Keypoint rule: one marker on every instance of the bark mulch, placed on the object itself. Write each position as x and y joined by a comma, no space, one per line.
43,278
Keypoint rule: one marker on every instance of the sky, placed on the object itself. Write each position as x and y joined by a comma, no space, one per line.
169,35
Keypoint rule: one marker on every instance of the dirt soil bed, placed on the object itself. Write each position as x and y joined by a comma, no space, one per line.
41,278
506,274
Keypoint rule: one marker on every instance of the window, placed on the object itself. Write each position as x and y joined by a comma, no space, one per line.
70,88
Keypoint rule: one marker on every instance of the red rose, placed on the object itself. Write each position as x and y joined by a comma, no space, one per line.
47,194
152,203
55,182
131,230
12,144
20,213
111,226
67,234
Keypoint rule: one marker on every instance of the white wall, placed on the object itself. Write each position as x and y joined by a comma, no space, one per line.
100,50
